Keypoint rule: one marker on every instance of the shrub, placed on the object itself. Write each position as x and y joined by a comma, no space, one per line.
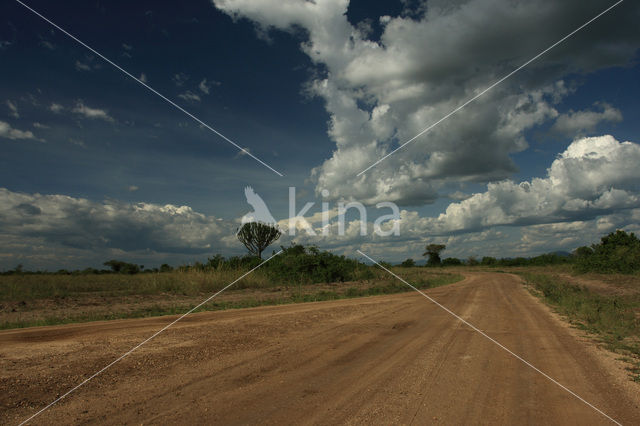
165,268
616,252
409,263
384,264
548,259
121,267
298,264
489,261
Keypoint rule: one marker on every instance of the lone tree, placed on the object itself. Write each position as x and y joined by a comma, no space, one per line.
433,251
120,267
257,236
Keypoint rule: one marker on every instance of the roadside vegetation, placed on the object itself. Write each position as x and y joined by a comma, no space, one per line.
617,252
599,293
612,316
597,288
299,274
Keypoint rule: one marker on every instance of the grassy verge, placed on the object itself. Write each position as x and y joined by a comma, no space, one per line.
199,286
614,319
33,287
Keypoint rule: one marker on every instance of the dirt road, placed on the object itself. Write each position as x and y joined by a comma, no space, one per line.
382,360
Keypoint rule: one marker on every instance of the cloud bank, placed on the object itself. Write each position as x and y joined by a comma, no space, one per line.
81,223
593,185
380,92
593,176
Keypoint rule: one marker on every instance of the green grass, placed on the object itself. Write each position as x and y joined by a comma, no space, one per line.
151,311
614,319
114,286
41,286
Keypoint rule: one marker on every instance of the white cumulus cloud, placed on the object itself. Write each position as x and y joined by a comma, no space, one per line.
581,122
592,177
426,63
6,131
92,113
60,220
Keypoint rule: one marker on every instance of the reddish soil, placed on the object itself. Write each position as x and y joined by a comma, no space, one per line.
383,360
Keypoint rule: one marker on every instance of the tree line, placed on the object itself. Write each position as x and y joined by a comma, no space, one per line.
617,252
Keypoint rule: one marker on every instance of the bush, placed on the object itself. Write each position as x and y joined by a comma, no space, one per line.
616,252
298,264
451,261
488,261
516,261
548,259
382,264
613,317
409,263
120,267
165,268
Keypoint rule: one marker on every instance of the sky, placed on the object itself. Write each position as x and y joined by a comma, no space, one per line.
95,166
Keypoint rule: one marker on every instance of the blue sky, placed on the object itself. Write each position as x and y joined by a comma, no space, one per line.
95,166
